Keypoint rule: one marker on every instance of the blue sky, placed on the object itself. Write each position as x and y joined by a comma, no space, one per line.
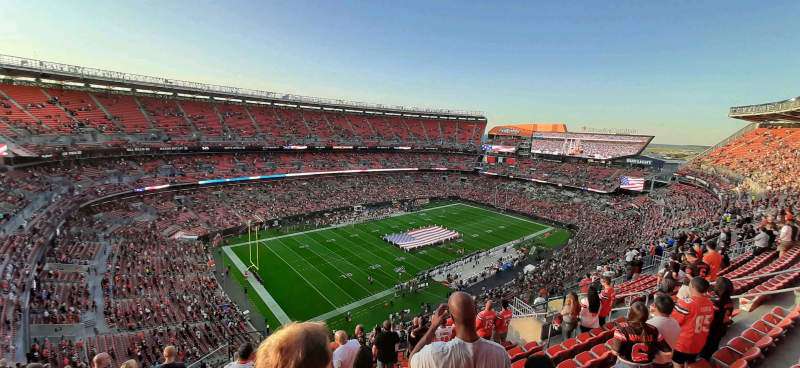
668,68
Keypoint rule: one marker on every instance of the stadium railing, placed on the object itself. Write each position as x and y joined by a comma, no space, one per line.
748,128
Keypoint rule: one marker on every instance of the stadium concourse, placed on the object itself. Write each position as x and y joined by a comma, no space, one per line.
116,201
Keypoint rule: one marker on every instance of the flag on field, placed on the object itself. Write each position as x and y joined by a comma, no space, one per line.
3,149
630,183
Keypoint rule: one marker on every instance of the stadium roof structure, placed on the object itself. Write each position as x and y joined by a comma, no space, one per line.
85,77
526,130
787,110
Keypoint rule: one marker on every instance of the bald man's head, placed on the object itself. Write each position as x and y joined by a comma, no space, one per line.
462,308
340,337
102,360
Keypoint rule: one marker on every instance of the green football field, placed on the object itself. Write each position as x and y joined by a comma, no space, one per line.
324,273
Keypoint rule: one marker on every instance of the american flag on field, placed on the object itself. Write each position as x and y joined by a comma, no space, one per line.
630,183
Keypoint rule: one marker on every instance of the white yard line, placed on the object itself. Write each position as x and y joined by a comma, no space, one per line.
502,213
273,306
276,309
343,309
348,224
304,278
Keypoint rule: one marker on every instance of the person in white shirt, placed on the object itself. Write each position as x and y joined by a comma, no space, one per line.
467,349
244,357
345,354
661,319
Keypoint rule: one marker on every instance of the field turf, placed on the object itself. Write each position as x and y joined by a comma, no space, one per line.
315,272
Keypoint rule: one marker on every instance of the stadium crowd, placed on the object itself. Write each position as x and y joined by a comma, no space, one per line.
578,175
760,160
52,119
156,291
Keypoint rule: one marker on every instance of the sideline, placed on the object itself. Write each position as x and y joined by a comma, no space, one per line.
341,310
273,306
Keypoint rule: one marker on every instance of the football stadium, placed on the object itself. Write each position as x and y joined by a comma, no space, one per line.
156,220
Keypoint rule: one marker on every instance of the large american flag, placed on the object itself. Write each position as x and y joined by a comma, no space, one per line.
630,183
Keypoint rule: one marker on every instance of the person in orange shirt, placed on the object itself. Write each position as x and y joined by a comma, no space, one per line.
484,322
714,261
694,315
502,321
607,298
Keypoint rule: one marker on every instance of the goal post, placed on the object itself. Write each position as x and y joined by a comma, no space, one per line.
252,246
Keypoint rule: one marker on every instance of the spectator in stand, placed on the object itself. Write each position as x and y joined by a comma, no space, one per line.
661,318
762,240
131,363
723,310
607,298
787,235
385,347
364,358
569,315
415,332
345,355
685,290
244,357
467,349
590,306
171,358
484,322
714,261
540,303
502,322
635,342
102,360
692,260
297,345
694,315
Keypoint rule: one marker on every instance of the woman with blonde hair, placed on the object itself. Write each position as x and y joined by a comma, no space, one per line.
298,345
132,363
569,315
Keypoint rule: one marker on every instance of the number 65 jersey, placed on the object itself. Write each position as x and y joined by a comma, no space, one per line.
694,315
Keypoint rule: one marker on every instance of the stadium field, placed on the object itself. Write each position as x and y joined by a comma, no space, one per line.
323,274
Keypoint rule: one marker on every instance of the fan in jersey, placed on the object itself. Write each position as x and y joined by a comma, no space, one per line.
502,321
607,298
723,310
484,322
636,343
694,315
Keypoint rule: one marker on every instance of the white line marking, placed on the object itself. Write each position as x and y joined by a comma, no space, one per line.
273,306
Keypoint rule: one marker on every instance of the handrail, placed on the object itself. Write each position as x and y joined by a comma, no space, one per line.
225,345
766,274
770,107
771,292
